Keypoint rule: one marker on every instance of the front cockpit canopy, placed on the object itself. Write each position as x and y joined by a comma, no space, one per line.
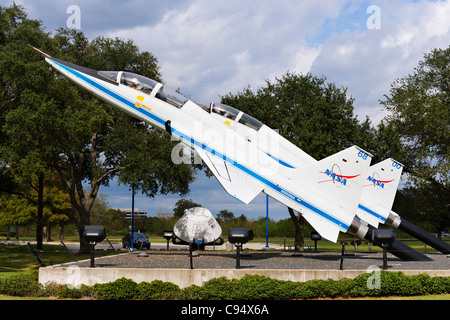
145,85
109,75
138,82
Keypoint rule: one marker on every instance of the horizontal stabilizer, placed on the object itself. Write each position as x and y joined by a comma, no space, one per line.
327,230
238,184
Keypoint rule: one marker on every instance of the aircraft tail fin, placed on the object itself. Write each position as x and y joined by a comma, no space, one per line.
379,191
339,177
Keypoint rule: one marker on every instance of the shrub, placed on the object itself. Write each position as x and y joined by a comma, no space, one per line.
218,289
257,287
192,292
20,285
247,288
157,290
51,289
67,292
121,289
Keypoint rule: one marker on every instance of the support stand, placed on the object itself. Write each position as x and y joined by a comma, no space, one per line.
238,255
92,246
384,246
341,267
115,251
67,249
190,255
35,254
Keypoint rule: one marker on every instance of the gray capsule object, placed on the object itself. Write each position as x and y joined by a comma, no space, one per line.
197,225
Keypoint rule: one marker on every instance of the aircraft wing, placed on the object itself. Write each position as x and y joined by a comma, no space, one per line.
239,185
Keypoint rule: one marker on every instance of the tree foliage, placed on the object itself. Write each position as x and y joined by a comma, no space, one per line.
420,111
182,205
313,114
48,123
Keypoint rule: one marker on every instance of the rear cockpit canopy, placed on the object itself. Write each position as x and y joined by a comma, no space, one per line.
236,115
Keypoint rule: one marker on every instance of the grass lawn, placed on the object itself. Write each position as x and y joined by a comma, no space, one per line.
327,246
17,258
437,297
432,297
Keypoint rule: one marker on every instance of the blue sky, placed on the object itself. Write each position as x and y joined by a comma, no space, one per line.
211,48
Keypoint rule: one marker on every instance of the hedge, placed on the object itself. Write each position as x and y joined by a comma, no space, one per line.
247,288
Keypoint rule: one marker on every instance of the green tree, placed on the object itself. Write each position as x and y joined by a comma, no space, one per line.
182,205
313,114
419,106
225,216
16,211
23,82
48,123
425,207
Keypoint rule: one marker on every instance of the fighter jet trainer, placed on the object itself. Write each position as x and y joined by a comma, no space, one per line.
247,157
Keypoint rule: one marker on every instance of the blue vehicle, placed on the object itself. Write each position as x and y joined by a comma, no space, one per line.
139,241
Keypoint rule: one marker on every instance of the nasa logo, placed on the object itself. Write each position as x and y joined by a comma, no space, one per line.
376,182
336,176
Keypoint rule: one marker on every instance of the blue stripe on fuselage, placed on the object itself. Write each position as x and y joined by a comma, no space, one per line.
371,212
192,141
280,161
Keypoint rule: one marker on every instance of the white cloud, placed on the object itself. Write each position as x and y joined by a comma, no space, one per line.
212,48
368,61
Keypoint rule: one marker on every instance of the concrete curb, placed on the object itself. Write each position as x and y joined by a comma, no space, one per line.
75,276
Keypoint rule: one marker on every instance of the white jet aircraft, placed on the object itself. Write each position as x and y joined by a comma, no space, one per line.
247,157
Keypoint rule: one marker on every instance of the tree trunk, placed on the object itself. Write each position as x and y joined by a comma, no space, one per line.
84,221
298,221
49,232
40,212
61,232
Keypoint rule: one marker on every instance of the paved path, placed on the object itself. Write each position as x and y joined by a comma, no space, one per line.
104,245
263,260
178,257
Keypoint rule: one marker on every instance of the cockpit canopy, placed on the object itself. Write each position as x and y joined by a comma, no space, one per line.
147,85
235,114
138,82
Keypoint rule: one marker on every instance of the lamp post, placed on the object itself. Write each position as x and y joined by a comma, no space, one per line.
267,222
132,217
